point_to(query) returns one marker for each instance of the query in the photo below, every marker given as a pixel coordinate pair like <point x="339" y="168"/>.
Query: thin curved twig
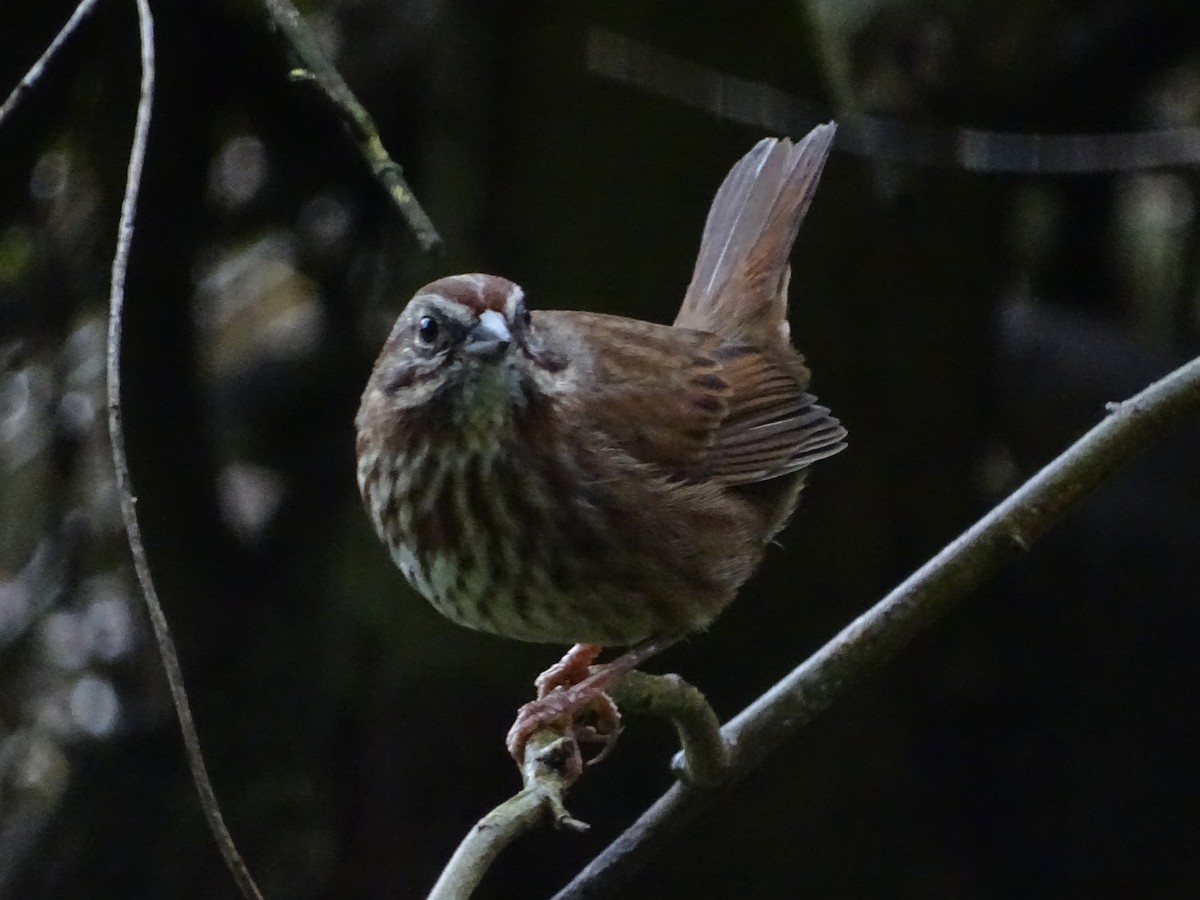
<point x="36" y="70"/>
<point x="872" y="638"/>
<point x="116" y="433"/>
<point x="551" y="765"/>
<point x="362" y="127"/>
<point x="704" y="757"/>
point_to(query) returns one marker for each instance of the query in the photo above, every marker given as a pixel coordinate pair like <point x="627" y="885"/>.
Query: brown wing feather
<point x="655" y="391"/>
<point x="774" y="426"/>
<point x="699" y="406"/>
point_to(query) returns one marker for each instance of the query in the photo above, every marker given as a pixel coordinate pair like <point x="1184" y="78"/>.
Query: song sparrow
<point x="569" y="477"/>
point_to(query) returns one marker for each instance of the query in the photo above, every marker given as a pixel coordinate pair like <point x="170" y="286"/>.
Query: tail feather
<point x="739" y="286"/>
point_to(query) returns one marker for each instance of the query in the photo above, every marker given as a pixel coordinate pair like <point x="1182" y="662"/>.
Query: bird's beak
<point x="490" y="337"/>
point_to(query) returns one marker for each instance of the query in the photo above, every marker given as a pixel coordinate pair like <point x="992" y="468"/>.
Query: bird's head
<point x="465" y="351"/>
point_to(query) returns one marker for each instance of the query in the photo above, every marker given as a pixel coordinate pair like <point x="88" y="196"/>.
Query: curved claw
<point x="604" y="729"/>
<point x="589" y="718"/>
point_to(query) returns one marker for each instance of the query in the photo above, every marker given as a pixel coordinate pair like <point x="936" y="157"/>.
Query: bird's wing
<point x="698" y="406"/>
<point x="774" y="427"/>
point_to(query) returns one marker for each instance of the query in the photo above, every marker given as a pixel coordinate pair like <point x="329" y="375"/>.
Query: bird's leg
<point x="558" y="703"/>
<point x="573" y="688"/>
<point x="569" y="670"/>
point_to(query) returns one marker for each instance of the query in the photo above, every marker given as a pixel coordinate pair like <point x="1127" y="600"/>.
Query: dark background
<point x="1041" y="741"/>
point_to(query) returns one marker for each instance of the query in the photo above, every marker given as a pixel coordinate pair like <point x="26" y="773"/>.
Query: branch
<point x="116" y="432"/>
<point x="38" y="68"/>
<point x="551" y="766"/>
<point x="879" y="138"/>
<point x="362" y="128"/>
<point x="704" y="757"/>
<point x="552" y="763"/>
<point x="872" y="639"/>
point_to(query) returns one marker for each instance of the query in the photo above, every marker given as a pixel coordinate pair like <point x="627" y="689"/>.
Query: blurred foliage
<point x="1041" y="742"/>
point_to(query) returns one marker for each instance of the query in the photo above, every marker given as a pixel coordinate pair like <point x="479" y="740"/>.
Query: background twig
<point x="880" y="138"/>
<point x="158" y="620"/>
<point x="872" y="638"/>
<point x="36" y="70"/>
<point x="362" y="127"/>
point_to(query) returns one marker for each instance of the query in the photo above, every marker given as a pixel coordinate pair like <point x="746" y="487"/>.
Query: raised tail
<point x="739" y="286"/>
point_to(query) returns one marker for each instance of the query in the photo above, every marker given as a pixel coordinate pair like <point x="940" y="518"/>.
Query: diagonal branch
<point x="116" y="432"/>
<point x="876" y="635"/>
<point x="362" y="128"/>
<point x="38" y="68"/>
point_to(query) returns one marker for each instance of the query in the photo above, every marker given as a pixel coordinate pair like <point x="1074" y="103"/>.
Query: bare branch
<point x="872" y="639"/>
<point x="878" y="138"/>
<point x="158" y="620"/>
<point x="38" y="68"/>
<point x="362" y="128"/>
<point x="553" y="762"/>
<point x="551" y="766"/>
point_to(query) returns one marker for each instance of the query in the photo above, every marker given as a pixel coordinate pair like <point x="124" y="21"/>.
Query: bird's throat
<point x="482" y="411"/>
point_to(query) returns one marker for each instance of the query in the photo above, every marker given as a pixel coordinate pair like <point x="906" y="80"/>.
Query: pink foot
<point x="583" y="709"/>
<point x="572" y="696"/>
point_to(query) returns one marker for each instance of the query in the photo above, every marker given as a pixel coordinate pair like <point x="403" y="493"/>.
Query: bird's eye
<point x="427" y="330"/>
<point x="526" y="317"/>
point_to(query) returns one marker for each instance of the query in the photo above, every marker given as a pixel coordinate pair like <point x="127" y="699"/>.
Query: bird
<point x="585" y="479"/>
